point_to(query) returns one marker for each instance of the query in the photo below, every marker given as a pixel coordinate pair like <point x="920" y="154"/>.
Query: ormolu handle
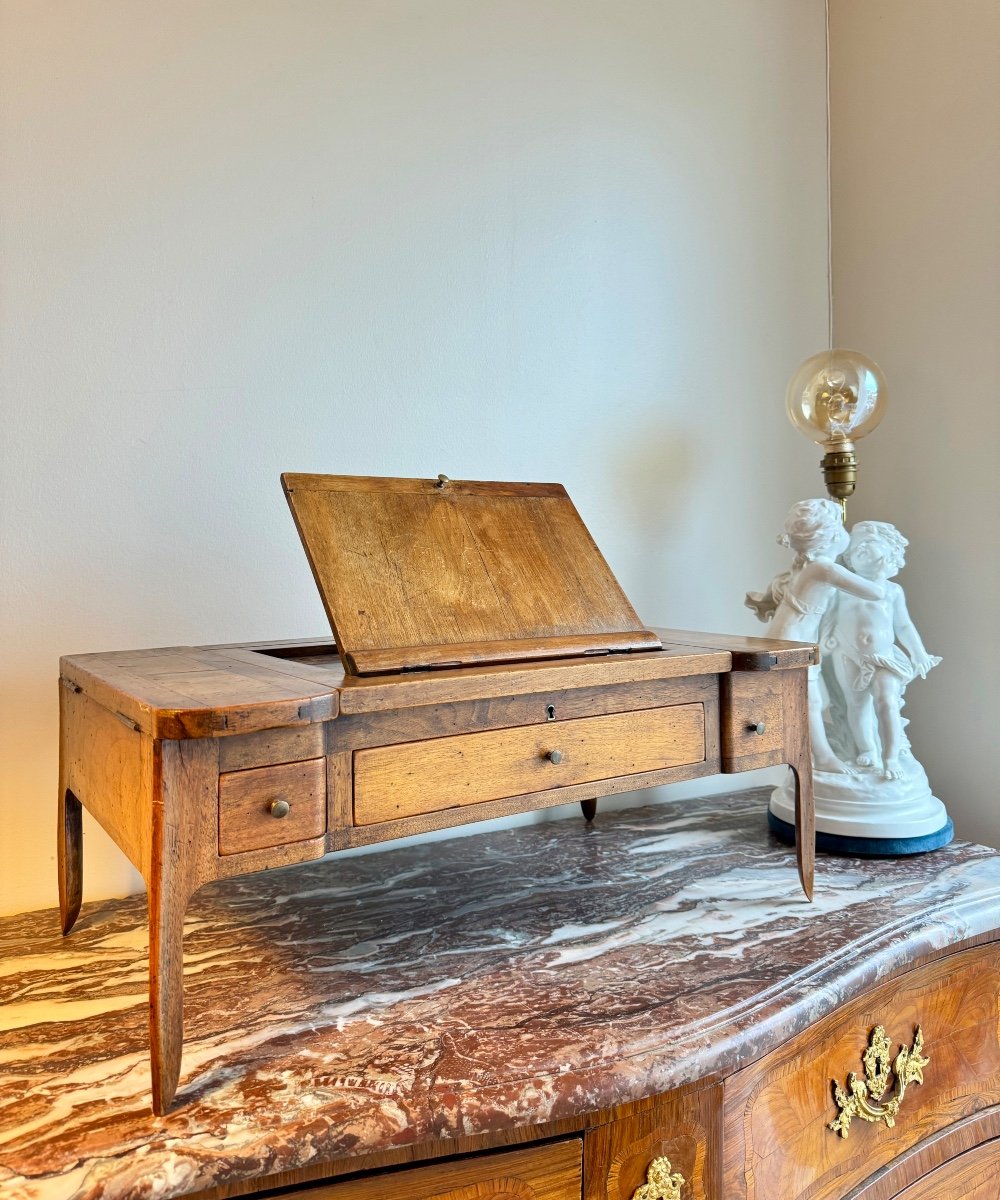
<point x="279" y="808"/>
<point x="662" y="1183"/>
<point x="555" y="756"/>
<point x="864" y="1098"/>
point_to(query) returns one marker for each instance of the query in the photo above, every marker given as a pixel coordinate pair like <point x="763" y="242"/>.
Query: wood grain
<point x="105" y="763"/>
<point x="146" y="735"/>
<point x="749" y="653"/>
<point x="246" y="818"/>
<point x="489" y="810"/>
<point x="271" y="746"/>
<point x="419" y="777"/>
<point x="685" y="1127"/>
<point x="550" y="1172"/>
<point x="384" y="693"/>
<point x="357" y="732"/>
<point x="748" y="700"/>
<point x="69" y="858"/>
<point x="189" y="691"/>
<point x="798" y="755"/>
<point x="973" y="1176"/>
<point x="778" y="1111"/>
<point x="385" y="661"/>
<point x="412" y="575"/>
<point x="921" y="1163"/>
<point x="185" y="791"/>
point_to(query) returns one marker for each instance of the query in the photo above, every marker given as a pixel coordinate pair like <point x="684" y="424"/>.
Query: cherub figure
<point x="796" y="600"/>
<point x="870" y="668"/>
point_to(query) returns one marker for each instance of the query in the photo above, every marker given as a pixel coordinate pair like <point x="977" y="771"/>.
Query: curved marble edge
<point x="212" y="1137"/>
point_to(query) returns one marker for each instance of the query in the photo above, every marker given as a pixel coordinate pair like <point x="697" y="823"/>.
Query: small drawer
<point x="753" y="731"/>
<point x="272" y="806"/>
<point x="781" y="1109"/>
<point x="391" y="782"/>
<point x="552" y="1172"/>
<point x="662" y="1146"/>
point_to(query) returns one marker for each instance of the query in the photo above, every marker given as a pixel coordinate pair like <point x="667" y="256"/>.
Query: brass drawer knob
<point x="555" y="756"/>
<point x="662" y="1183"/>
<point x="757" y="727"/>
<point x="279" y="809"/>
<point x="865" y="1098"/>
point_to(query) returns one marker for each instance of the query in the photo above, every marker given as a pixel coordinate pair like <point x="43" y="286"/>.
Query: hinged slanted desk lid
<point x="422" y="573"/>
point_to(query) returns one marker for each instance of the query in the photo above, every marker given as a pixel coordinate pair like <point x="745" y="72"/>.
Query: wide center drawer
<point x="391" y="782"/>
<point x="780" y="1110"/>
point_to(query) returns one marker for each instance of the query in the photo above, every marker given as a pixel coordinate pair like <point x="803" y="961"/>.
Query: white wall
<point x="570" y="240"/>
<point x="916" y="237"/>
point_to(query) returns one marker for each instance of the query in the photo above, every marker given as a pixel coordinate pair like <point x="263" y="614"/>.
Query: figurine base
<point x="865" y="847"/>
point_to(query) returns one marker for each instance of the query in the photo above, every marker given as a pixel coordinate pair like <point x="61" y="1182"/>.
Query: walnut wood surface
<point x="106" y="763"/>
<point x="356" y="732"/>
<point x="684" y="1127"/>
<point x="750" y="653"/>
<point x="779" y="701"/>
<point x="413" y="573"/>
<point x="747" y="702"/>
<point x="191" y="691"/>
<point x="973" y="1176"/>
<point x="392" y="781"/>
<point x="384" y="693"/>
<point x="798" y="755"/>
<point x="387" y="661"/>
<point x="269" y="746"/>
<point x="550" y="1172"/>
<point x="246" y="819"/>
<point x="980" y="1131"/>
<point x="174" y="752"/>
<point x="777" y="1112"/>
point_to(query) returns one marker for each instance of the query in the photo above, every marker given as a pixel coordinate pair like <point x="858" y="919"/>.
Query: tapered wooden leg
<point x="589" y="808"/>
<point x="805" y="825"/>
<point x="69" y="855"/>
<point x="166" y="991"/>
<point x="798" y="755"/>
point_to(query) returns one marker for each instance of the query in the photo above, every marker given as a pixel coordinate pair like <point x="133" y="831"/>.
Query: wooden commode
<point x="485" y="662"/>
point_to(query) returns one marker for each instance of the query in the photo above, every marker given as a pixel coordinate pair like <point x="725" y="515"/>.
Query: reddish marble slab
<point x="508" y="978"/>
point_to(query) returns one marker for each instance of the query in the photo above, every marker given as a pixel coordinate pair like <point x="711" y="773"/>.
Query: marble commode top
<point x="454" y="987"/>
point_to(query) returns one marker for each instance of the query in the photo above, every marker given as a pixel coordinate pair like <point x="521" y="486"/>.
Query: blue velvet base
<point x="862" y="847"/>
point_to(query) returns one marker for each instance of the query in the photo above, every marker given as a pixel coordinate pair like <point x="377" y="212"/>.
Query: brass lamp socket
<point x="840" y="470"/>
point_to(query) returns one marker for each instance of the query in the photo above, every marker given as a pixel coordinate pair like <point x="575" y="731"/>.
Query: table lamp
<point x="835" y="398"/>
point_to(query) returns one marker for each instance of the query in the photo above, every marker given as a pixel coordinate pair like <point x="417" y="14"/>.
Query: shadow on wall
<point x="657" y="470"/>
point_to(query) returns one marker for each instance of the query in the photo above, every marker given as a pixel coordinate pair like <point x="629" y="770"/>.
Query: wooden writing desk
<point x="207" y="762"/>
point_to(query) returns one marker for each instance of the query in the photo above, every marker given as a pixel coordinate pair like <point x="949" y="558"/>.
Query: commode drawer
<point x="552" y="1172"/>
<point x="779" y="1112"/>
<point x="272" y="806"/>
<point x="667" y="1146"/>
<point x="391" y="782"/>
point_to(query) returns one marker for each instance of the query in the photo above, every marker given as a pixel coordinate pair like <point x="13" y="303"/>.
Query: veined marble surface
<point x="360" y="1004"/>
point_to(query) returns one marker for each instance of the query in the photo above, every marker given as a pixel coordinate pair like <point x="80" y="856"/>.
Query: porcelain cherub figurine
<point x="874" y="651"/>
<point x="796" y="600"/>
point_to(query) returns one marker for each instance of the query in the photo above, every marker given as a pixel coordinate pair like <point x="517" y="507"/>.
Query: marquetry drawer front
<point x="751" y="718"/>
<point x="418" y="777"/>
<point x="974" y="1175"/>
<point x="778" y="1113"/>
<point x="551" y="1172"/>
<point x="272" y="806"/>
<point x="664" y="1146"/>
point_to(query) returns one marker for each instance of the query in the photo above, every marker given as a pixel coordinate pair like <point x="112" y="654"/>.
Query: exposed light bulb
<point x="835" y="398"/>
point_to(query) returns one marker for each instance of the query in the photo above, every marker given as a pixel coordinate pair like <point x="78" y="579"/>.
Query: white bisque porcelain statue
<point x="872" y="796"/>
